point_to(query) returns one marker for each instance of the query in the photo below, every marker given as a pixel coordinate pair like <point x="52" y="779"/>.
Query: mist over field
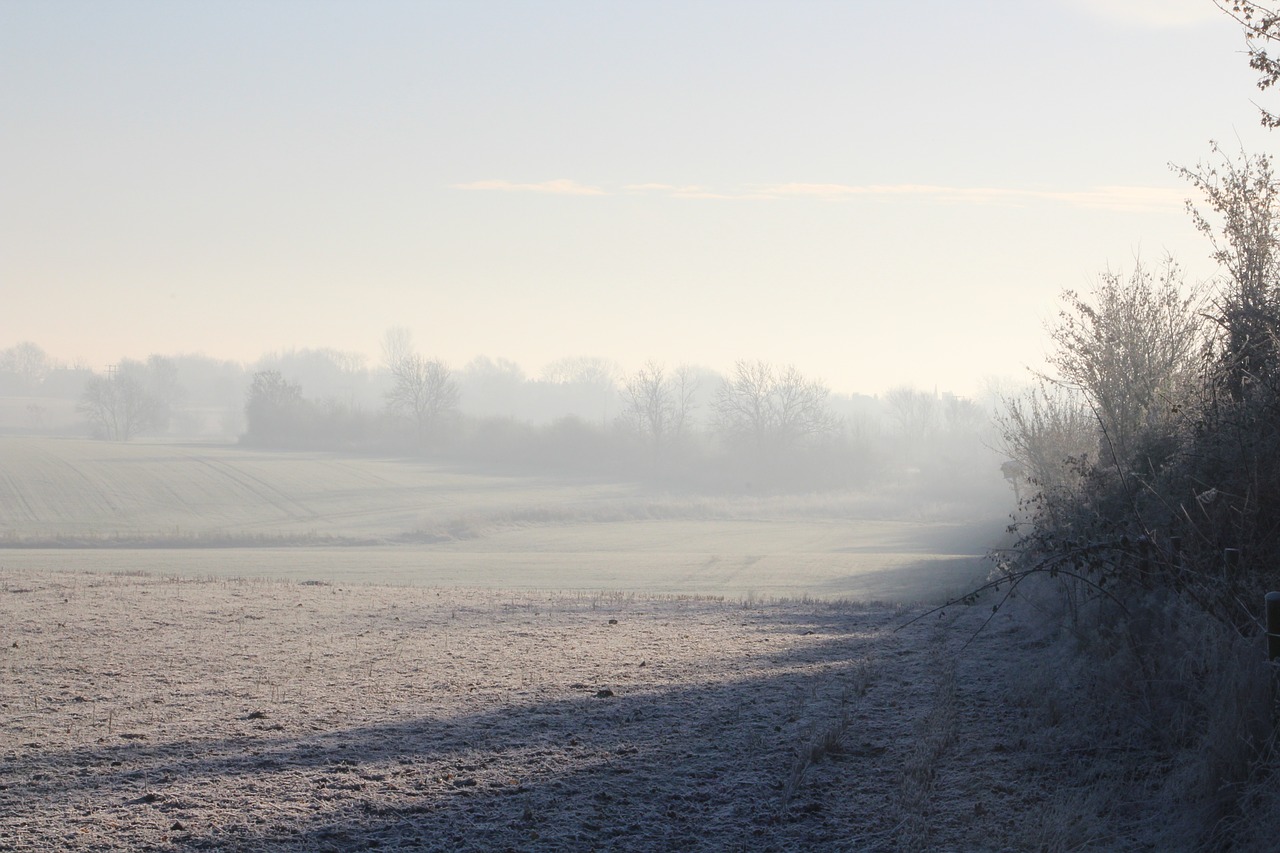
<point x="670" y="480"/>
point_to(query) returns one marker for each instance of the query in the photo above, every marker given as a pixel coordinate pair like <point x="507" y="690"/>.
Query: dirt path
<point x="144" y="713"/>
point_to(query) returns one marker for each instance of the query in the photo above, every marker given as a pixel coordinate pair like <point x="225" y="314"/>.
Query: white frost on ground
<point x="146" y="713"/>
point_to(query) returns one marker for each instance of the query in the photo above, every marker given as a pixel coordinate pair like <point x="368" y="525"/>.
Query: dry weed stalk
<point x="828" y="740"/>
<point x="919" y="772"/>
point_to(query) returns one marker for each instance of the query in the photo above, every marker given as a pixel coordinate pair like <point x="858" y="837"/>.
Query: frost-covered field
<point x="212" y="648"/>
<point x="144" y="713"/>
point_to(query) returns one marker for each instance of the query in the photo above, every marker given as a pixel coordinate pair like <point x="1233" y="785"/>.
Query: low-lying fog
<point x="669" y="480"/>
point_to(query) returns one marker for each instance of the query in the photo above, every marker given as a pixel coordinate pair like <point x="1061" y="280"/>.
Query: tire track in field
<point x="15" y="498"/>
<point x="88" y="488"/>
<point x="296" y="509"/>
<point x="388" y="498"/>
<point x="271" y="495"/>
<point x="67" y="505"/>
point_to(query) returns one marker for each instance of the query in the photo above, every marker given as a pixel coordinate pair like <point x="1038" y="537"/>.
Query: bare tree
<point x="771" y="409"/>
<point x="581" y="370"/>
<point x="1132" y="351"/>
<point x="160" y="374"/>
<point x="585" y="385"/>
<point x="424" y="392"/>
<point x="659" y="405"/>
<point x="961" y="415"/>
<point x="1244" y="198"/>
<point x="915" y="413"/>
<point x="349" y="362"/>
<point x="120" y="406"/>
<point x="397" y="345"/>
<point x="275" y="412"/>
<point x="492" y="386"/>
<point x="1044" y="432"/>
<point x="27" y="362"/>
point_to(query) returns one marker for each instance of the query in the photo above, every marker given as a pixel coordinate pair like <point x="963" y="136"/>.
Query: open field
<point x="144" y="713"/>
<point x="877" y="576"/>
<point x="210" y="648"/>
<point x="222" y="511"/>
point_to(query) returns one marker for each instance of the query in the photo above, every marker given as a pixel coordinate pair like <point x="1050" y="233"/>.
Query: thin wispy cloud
<point x="688" y="191"/>
<point x="674" y="190"/>
<point x="712" y="194"/>
<point x="1107" y="197"/>
<point x="1120" y="198"/>
<point x="1123" y="198"/>
<point x="659" y="188"/>
<point x="558" y="187"/>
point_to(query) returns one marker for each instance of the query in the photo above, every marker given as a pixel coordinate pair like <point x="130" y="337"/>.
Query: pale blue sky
<point x="877" y="197"/>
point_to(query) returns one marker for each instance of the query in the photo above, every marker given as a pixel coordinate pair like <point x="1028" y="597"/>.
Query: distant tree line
<point x="763" y="426"/>
<point x="760" y="426"/>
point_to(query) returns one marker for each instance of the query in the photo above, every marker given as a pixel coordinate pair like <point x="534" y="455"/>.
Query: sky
<point x="881" y="194"/>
